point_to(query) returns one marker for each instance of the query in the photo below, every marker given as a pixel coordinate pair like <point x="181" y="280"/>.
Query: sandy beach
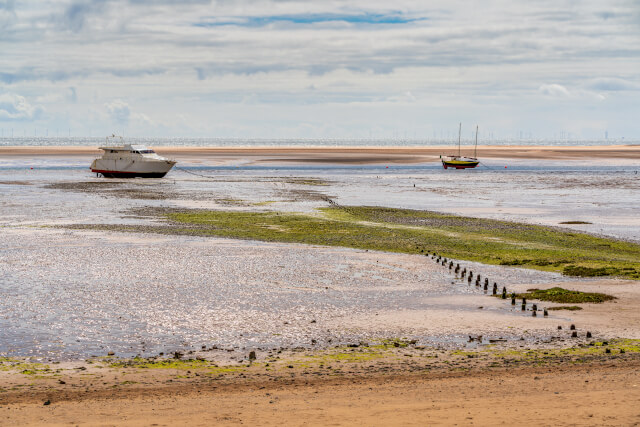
<point x="381" y="392"/>
<point x="351" y="155"/>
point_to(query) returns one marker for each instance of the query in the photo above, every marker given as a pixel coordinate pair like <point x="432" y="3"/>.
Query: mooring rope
<point x="194" y="173"/>
<point x="488" y="167"/>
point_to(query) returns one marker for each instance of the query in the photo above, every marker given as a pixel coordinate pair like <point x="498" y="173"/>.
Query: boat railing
<point x="114" y="140"/>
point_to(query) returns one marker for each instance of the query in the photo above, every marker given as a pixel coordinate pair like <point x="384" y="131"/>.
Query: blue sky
<point x="296" y="69"/>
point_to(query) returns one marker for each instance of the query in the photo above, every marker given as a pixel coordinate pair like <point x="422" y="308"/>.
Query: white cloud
<point x="554" y="90"/>
<point x="119" y="112"/>
<point x="16" y="107"/>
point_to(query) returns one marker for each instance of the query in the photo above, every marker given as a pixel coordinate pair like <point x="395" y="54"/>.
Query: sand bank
<point x="351" y="155"/>
<point x="601" y="391"/>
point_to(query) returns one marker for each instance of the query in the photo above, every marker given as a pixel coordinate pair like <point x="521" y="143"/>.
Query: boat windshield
<point x="144" y="151"/>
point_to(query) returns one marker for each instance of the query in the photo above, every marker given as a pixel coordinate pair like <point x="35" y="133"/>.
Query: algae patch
<point x="565" y="296"/>
<point x="565" y="307"/>
<point x="481" y="240"/>
<point x="410" y="231"/>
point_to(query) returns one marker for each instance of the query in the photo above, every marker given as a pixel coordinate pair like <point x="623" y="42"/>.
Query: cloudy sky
<point x="320" y="69"/>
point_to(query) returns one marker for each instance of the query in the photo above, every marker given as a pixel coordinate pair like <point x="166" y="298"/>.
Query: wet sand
<point x="350" y="155"/>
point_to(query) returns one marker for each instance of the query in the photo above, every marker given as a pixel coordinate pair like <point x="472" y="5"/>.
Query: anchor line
<point x="488" y="167"/>
<point x="194" y="173"/>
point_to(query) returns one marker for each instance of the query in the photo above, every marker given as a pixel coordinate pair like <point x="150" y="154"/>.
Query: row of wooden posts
<point x="469" y="275"/>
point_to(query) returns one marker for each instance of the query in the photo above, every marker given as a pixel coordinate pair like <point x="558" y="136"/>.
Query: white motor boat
<point x="129" y="161"/>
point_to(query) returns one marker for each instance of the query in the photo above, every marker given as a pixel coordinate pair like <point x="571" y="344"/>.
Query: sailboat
<point x="460" y="161"/>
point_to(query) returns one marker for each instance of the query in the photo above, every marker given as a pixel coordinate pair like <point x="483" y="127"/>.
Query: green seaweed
<point x="482" y="240"/>
<point x="565" y="296"/>
<point x="566" y="307"/>
<point x="410" y="231"/>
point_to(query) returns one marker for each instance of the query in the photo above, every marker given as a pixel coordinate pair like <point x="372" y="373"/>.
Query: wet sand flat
<point x="350" y="155"/>
<point x="340" y="336"/>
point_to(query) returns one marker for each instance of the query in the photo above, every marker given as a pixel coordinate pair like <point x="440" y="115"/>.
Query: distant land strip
<point x="354" y="155"/>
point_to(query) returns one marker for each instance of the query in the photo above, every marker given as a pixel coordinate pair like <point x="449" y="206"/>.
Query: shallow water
<point x="71" y="294"/>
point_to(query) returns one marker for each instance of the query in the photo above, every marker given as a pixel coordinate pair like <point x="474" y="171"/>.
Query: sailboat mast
<point x="475" y="150"/>
<point x="459" y="133"/>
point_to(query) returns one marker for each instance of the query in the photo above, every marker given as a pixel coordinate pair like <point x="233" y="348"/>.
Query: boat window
<point x="147" y="151"/>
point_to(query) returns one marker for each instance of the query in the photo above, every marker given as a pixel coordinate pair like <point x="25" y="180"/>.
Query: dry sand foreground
<point x="351" y="155"/>
<point x="599" y="393"/>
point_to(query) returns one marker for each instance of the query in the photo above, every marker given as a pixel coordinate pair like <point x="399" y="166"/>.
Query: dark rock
<point x="47" y="402"/>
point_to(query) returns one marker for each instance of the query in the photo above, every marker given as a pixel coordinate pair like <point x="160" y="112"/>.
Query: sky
<point x="549" y="69"/>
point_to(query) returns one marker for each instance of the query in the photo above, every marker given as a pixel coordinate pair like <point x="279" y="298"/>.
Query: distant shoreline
<point x="354" y="155"/>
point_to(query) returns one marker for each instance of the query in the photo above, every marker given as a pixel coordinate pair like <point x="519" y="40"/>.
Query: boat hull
<point x="131" y="169"/>
<point x="459" y="165"/>
<point x="115" y="174"/>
